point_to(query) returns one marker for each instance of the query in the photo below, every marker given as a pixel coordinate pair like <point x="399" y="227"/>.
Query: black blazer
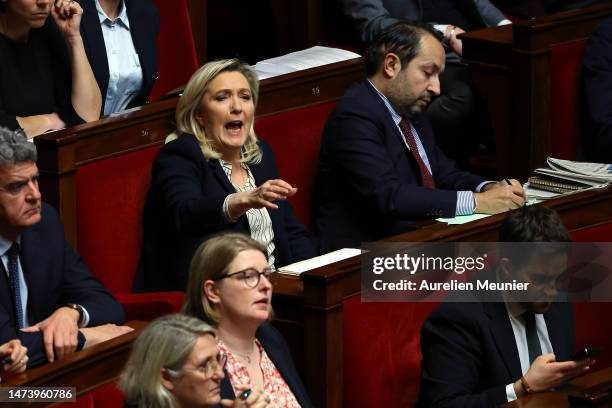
<point x="144" y="27"/>
<point x="184" y="208"/>
<point x="55" y="276"/>
<point x="597" y="74"/>
<point x="276" y="348"/>
<point x="470" y="355"/>
<point x="368" y="184"/>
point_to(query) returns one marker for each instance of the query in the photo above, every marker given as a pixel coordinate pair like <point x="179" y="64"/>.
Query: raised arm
<point x="86" y="97"/>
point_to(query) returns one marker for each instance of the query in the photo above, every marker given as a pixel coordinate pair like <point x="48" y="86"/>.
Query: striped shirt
<point x="465" y="199"/>
<point x="259" y="220"/>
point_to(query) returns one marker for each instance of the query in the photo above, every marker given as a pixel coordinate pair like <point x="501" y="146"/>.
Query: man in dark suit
<point x="104" y="27"/>
<point x="597" y="75"/>
<point x="48" y="298"/>
<point x="459" y="115"/>
<point x="370" y="182"/>
<point x="483" y="354"/>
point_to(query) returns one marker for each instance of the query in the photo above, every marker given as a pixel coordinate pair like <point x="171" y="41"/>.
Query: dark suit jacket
<point x="597" y="74"/>
<point x="276" y="348"/>
<point x="55" y="276"/>
<point x="184" y="207"/>
<point x="373" y="16"/>
<point x="144" y="27"/>
<point x="368" y="184"/>
<point x="470" y="355"/>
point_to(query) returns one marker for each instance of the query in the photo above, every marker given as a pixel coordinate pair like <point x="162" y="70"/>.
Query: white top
<point x="125" y="74"/>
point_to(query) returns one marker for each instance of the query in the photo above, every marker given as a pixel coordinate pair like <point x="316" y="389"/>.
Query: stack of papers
<point x="318" y="261"/>
<point x="300" y="60"/>
<point x="567" y="177"/>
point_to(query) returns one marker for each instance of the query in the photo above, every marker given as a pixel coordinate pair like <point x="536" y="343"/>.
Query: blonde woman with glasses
<point x="230" y="288"/>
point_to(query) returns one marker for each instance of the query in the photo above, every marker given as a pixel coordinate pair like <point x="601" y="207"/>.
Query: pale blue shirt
<point x="465" y="199"/>
<point x="125" y="74"/>
<point x="5" y="245"/>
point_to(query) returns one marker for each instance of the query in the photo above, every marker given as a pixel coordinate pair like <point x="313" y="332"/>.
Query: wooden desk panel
<point x="86" y="370"/>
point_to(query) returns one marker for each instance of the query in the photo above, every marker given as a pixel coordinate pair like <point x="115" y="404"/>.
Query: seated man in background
<point x="379" y="166"/>
<point x="483" y="354"/>
<point x="460" y="108"/>
<point x="48" y="298"/>
<point x="597" y="76"/>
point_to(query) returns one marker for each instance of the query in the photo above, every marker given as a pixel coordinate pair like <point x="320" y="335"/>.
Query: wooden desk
<point x="558" y="399"/>
<point x="511" y="66"/>
<point x="86" y="370"/>
<point x="309" y="309"/>
<point x="60" y="154"/>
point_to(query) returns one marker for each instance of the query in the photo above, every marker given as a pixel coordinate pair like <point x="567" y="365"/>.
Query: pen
<point x="508" y="181"/>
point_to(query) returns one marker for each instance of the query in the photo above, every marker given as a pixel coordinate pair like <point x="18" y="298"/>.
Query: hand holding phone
<point x="587" y="352"/>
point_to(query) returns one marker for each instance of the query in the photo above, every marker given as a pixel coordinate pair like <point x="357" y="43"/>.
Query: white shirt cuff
<point x="481" y="185"/>
<point x="85" y="317"/>
<point x="441" y="28"/>
<point x="505" y="21"/>
<point x="225" y="210"/>
<point x="465" y="203"/>
<point x="510" y="394"/>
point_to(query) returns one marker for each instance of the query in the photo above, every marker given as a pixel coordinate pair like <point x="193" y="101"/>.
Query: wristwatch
<point x="79" y="309"/>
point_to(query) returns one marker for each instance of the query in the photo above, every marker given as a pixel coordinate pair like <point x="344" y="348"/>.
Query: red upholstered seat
<point x="295" y="137"/>
<point x="177" y="54"/>
<point x="110" y="200"/>
<point x="592" y="326"/>
<point x="84" y="401"/>
<point x="382" y="352"/>
<point x="108" y="396"/>
<point x="565" y="79"/>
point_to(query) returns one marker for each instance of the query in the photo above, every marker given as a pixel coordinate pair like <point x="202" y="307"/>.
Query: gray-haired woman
<point x="175" y="363"/>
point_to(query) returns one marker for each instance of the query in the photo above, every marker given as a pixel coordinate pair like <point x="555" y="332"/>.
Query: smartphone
<point x="587" y="352"/>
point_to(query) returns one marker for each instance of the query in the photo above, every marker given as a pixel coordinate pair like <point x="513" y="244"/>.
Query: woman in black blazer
<point x="215" y="175"/>
<point x="230" y="288"/>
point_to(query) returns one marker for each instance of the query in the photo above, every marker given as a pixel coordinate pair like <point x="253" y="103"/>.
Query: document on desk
<point x="464" y="219"/>
<point x="300" y="60"/>
<point x="318" y="261"/>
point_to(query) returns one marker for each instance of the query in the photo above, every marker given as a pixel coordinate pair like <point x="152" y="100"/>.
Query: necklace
<point x="244" y="357"/>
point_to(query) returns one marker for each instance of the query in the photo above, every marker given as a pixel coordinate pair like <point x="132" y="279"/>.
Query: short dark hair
<point x="401" y="38"/>
<point x="534" y="224"/>
<point x="529" y="225"/>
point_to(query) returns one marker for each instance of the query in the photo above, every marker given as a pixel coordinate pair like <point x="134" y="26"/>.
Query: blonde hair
<point x="166" y="343"/>
<point x="189" y="105"/>
<point x="211" y="260"/>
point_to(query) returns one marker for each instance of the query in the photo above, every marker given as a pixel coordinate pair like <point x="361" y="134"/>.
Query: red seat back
<point x="592" y="326"/>
<point x="565" y="79"/>
<point x="382" y="352"/>
<point x="177" y="59"/>
<point x="109" y="215"/>
<point x="295" y="138"/>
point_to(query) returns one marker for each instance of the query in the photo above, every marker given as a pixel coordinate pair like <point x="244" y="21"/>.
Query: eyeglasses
<point x="15" y="188"/>
<point x="212" y="365"/>
<point x="249" y="276"/>
<point x="209" y="368"/>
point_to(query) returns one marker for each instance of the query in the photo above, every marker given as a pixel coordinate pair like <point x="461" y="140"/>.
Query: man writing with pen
<point x="379" y="167"/>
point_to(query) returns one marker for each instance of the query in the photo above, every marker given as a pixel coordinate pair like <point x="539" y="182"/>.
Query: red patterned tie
<point x="426" y="176"/>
